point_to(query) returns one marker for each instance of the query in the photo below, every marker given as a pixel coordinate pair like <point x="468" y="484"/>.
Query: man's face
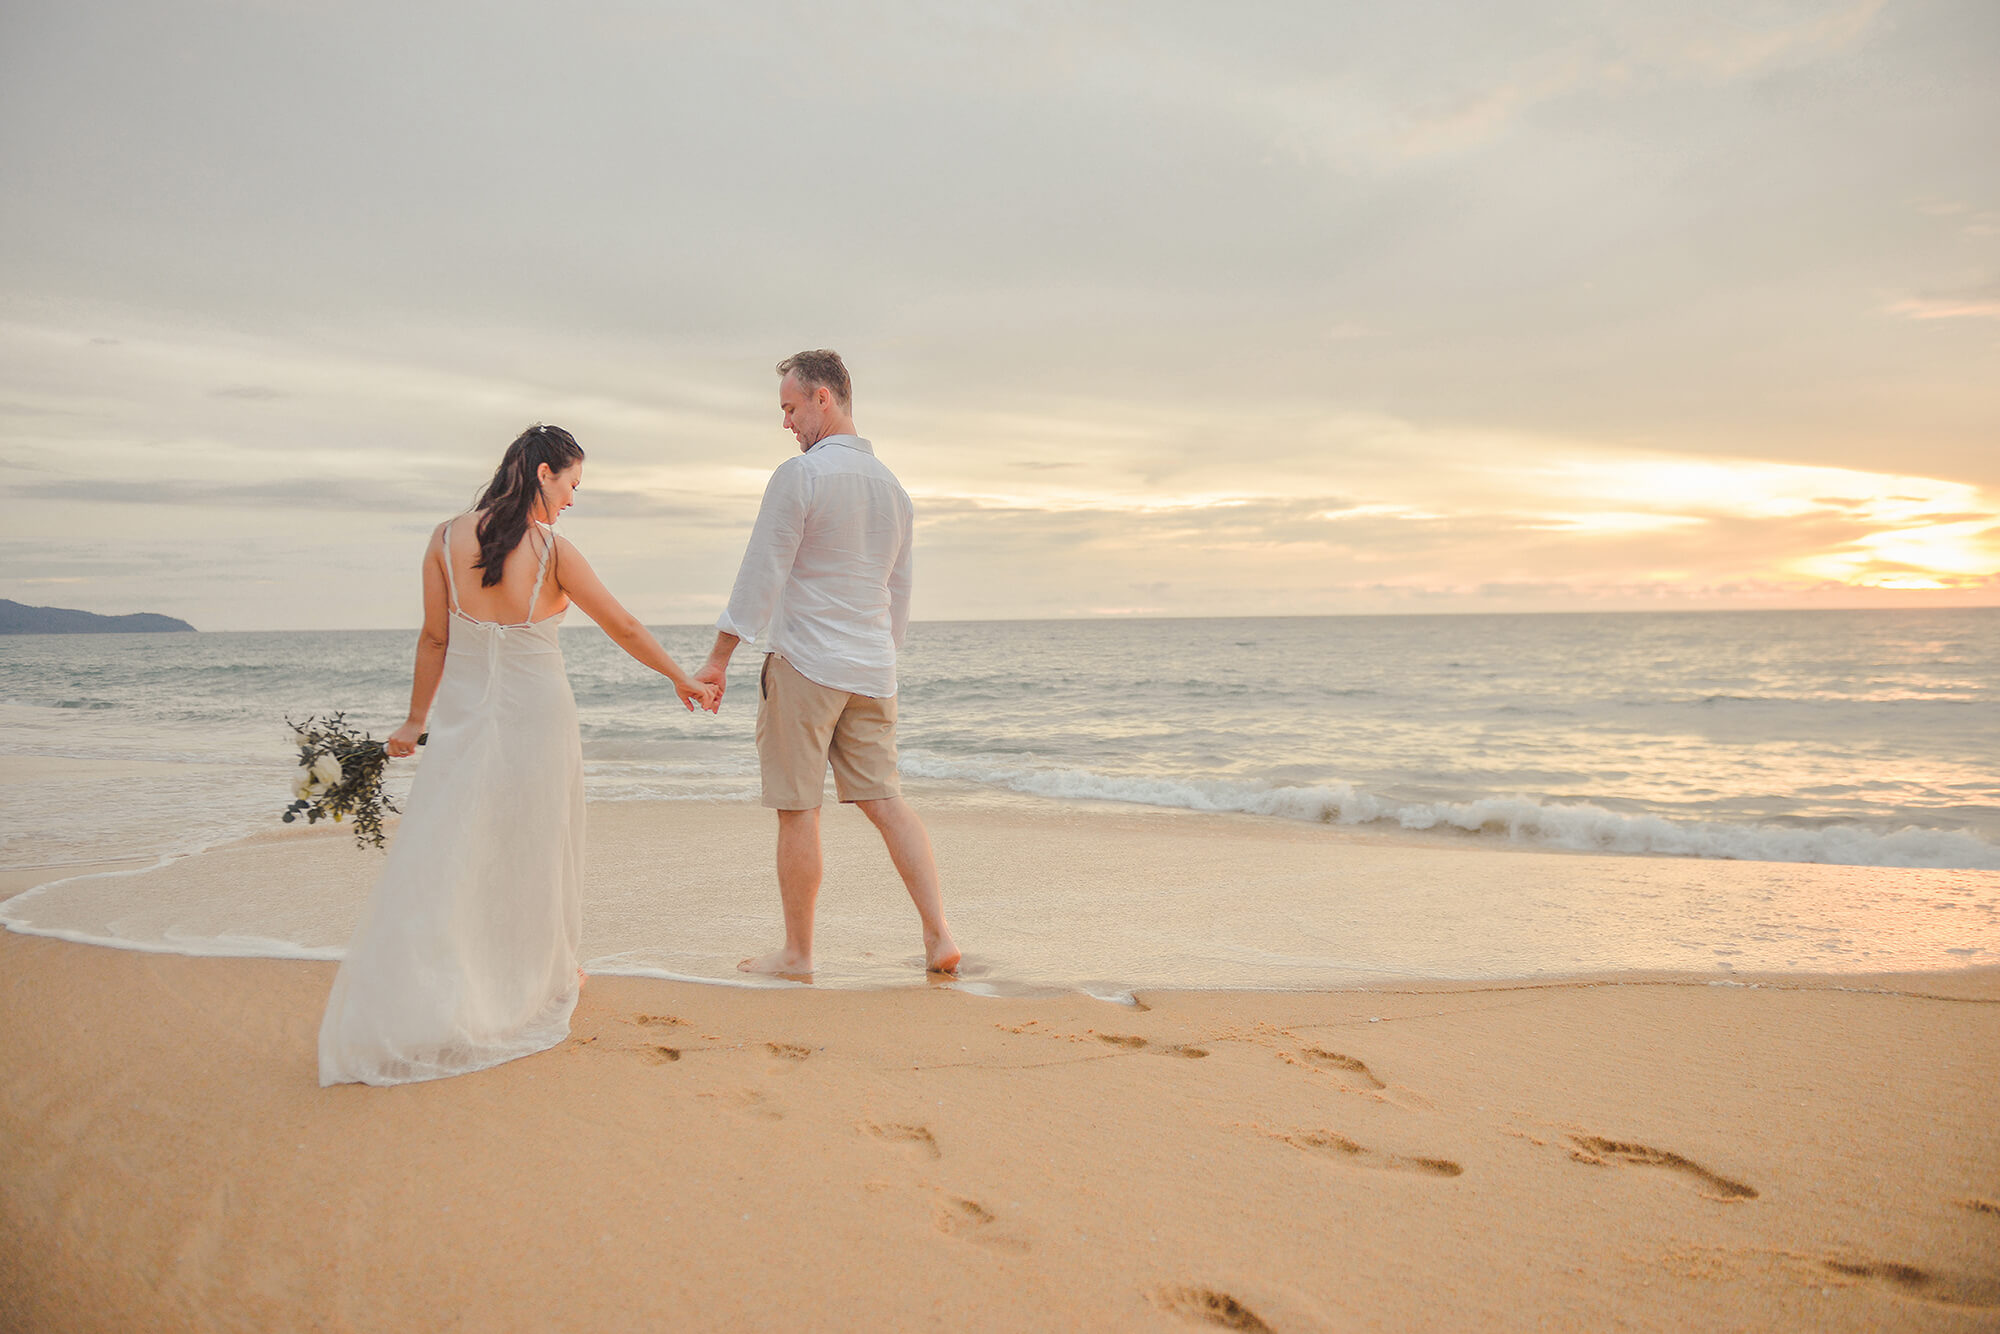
<point x="805" y="411"/>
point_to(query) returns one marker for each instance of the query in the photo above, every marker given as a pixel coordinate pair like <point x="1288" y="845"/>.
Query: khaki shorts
<point x="801" y="725"/>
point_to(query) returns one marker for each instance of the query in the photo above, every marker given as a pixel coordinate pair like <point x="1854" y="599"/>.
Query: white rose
<point x="302" y="785"/>
<point x="326" y="772"/>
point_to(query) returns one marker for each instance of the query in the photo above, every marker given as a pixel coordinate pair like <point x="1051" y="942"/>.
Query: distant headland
<point x="19" y="619"/>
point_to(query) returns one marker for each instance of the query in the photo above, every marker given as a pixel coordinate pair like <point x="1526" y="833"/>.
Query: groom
<point x="826" y="584"/>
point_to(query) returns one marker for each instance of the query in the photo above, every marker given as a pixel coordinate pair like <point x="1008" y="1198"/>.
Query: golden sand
<point x="1660" y="1154"/>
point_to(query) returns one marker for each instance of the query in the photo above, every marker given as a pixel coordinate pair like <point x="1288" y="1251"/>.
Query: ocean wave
<point x="1579" y="827"/>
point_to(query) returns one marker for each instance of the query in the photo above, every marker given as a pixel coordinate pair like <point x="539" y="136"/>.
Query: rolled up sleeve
<point x="767" y="560"/>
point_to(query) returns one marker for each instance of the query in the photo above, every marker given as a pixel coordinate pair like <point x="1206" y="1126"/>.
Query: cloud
<point x="1981" y="303"/>
<point x="1602" y="525"/>
<point x="1481" y="114"/>
<point x="617" y="503"/>
<point x="307" y="495"/>
<point x="1636" y="53"/>
<point x="1171" y="308"/>
<point x="1732" y="47"/>
<point x="337" y="494"/>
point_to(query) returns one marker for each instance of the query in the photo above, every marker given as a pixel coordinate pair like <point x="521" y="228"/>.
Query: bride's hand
<point x="403" y="741"/>
<point x="698" y="692"/>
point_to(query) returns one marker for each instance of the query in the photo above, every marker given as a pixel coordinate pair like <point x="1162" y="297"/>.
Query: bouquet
<point x="340" y="775"/>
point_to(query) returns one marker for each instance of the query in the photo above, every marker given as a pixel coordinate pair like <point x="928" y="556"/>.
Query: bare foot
<point x="780" y="963"/>
<point x="940" y="954"/>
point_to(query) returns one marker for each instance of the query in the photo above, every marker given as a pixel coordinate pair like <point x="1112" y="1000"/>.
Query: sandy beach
<point x="1644" y="1151"/>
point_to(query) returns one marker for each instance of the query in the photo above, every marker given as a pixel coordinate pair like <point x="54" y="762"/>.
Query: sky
<point x="1162" y="310"/>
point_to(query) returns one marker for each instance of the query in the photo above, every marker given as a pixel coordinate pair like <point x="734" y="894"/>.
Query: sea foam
<point x="1579" y="827"/>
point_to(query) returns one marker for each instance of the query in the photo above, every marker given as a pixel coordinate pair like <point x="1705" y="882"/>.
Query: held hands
<point x="698" y="691"/>
<point x="714" y="676"/>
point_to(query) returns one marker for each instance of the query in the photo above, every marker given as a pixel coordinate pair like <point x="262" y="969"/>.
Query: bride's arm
<point x="574" y="576"/>
<point x="431" y="641"/>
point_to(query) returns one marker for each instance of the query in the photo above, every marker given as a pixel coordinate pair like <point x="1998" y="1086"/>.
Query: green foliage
<point x="357" y="795"/>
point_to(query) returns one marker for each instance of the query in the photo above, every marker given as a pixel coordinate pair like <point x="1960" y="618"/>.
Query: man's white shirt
<point x="826" y="578"/>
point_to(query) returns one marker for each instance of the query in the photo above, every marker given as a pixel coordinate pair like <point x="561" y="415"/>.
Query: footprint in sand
<point x="1349" y="1068"/>
<point x="1206" y="1306"/>
<point x="917" y="1137"/>
<point x="1976" y="1205"/>
<point x="1133" y="1043"/>
<point x="1341" y="1149"/>
<point x="969" y="1220"/>
<point x="658" y="1021"/>
<point x="659" y="1055"/>
<point x="1597" y="1151"/>
<point x="1923" y="1284"/>
<point x="750" y="1102"/>
<point x="790" y="1051"/>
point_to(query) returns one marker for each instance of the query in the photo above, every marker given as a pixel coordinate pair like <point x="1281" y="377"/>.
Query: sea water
<point x="1864" y="740"/>
<point x="1860" y="738"/>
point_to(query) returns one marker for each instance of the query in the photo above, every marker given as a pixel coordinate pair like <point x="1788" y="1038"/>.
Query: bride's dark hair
<point x="509" y="500"/>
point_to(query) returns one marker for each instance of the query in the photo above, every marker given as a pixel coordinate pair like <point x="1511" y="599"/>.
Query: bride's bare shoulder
<point x="467" y="522"/>
<point x="568" y="565"/>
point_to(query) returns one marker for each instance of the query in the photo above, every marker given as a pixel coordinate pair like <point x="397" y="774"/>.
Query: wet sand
<point x="1052" y="896"/>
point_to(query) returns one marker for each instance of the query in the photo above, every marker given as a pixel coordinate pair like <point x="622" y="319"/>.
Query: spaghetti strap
<point x="541" y="572"/>
<point x="450" y="579"/>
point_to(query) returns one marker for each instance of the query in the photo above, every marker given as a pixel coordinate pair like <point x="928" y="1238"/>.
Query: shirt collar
<point x="847" y="441"/>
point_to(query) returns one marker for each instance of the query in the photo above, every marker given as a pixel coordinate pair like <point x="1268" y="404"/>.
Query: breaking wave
<point x="1579" y="827"/>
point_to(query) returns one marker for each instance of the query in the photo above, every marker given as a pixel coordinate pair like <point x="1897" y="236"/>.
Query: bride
<point x="466" y="955"/>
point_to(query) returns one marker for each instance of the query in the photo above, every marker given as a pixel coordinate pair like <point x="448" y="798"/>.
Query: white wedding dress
<point x="466" y="955"/>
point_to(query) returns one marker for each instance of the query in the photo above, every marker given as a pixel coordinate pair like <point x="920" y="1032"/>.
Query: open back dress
<point x="466" y="955"/>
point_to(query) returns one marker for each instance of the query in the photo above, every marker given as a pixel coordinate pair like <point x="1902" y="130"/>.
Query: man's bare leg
<point x="799" y="869"/>
<point x="909" y="846"/>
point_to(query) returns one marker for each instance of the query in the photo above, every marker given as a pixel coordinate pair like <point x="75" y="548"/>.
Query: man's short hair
<point x="821" y="367"/>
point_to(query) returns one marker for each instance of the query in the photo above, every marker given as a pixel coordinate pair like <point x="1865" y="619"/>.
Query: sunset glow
<point x="1943" y="555"/>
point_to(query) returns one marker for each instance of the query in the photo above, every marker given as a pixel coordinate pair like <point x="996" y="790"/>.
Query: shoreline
<point x="1643" y="1154"/>
<point x="1053" y="896"/>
